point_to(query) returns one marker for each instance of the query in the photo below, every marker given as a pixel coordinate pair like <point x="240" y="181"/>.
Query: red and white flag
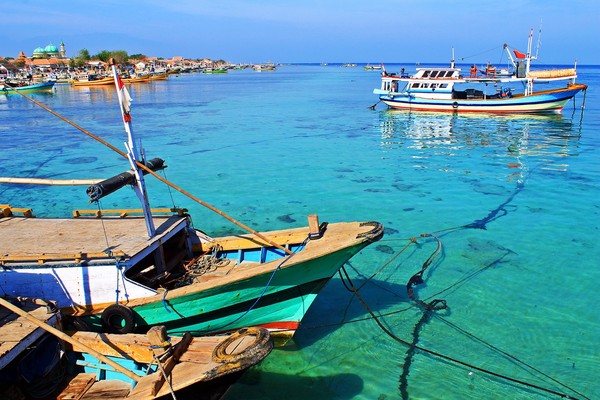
<point x="519" y="55"/>
<point x="125" y="99"/>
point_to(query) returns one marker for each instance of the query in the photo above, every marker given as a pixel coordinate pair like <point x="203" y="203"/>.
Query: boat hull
<point x="549" y="101"/>
<point x="260" y="286"/>
<point x="36" y="88"/>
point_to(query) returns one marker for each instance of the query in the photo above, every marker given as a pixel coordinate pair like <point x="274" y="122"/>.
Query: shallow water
<point x="515" y="202"/>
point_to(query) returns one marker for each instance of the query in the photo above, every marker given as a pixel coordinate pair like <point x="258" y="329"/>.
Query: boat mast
<point x="528" y="58"/>
<point x="132" y="153"/>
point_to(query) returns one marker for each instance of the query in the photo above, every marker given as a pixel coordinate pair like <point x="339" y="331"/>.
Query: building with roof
<point x="50" y="51"/>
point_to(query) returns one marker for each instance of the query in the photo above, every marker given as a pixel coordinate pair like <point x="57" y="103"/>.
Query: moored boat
<point x="92" y="80"/>
<point x="12" y="88"/>
<point x="449" y="89"/>
<point x="125" y="274"/>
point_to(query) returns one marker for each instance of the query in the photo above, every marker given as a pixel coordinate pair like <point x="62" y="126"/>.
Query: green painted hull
<point x="276" y="300"/>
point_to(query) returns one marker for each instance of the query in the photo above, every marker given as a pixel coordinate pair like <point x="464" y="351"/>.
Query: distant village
<point x="52" y="62"/>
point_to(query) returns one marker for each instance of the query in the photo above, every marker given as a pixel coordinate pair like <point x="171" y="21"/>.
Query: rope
<point x="163" y="180"/>
<point x="264" y="290"/>
<point x="165" y="375"/>
<point x="445" y="357"/>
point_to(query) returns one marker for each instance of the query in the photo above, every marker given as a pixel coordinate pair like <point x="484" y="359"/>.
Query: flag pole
<point x="132" y="151"/>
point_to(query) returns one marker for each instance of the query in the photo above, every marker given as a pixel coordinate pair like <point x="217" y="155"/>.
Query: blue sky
<point x="284" y="31"/>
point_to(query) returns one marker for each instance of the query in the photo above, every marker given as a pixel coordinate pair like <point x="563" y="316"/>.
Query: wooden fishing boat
<point x="12" y="88"/>
<point x="38" y="360"/>
<point x="159" y="76"/>
<point x="159" y="270"/>
<point x="135" y="79"/>
<point x="205" y="366"/>
<point x="449" y="89"/>
<point x="92" y="80"/>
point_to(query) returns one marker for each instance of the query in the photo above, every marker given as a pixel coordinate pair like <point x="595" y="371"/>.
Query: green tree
<point x="84" y="54"/>
<point x="104" y="55"/>
<point x="120" y="57"/>
<point x="138" y="56"/>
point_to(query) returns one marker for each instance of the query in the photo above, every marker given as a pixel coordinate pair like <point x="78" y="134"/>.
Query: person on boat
<point x="473" y="71"/>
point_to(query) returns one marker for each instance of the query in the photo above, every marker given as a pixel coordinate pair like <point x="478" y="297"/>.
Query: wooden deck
<point x="41" y="239"/>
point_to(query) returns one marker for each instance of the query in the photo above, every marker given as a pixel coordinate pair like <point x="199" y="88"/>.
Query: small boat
<point x="449" y="89"/>
<point x="268" y="66"/>
<point x="214" y="71"/>
<point x="12" y="88"/>
<point x="92" y="80"/>
<point x="38" y="360"/>
<point x="123" y="271"/>
<point x="159" y="76"/>
<point x="370" y="67"/>
<point x="135" y="79"/>
<point x="205" y="366"/>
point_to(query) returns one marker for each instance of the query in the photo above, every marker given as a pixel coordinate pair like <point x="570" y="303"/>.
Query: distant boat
<point x="91" y="80"/>
<point x="264" y="67"/>
<point x="12" y="88"/>
<point x="349" y="65"/>
<point x="214" y="71"/>
<point x="449" y="89"/>
<point x="370" y="67"/>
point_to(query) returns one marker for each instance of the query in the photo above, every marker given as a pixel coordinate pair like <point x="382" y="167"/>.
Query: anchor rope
<point x="413" y="346"/>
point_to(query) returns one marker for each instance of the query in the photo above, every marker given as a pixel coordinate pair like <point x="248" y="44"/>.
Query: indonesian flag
<point x="518" y="54"/>
<point x="126" y="100"/>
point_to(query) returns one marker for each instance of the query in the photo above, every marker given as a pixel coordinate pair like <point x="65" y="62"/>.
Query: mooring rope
<point x="389" y="333"/>
<point x="160" y="178"/>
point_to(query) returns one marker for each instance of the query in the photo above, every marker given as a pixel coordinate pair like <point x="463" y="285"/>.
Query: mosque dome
<point x="39" y="50"/>
<point x="51" y="49"/>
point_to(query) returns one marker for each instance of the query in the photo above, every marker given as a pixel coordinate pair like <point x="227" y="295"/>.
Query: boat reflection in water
<point x="429" y="134"/>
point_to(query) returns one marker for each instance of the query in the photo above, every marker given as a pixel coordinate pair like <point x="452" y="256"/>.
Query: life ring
<point x="224" y="352"/>
<point x="118" y="318"/>
<point x="455" y="105"/>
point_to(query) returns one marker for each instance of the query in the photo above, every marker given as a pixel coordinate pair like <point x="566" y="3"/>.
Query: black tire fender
<point x="118" y="318"/>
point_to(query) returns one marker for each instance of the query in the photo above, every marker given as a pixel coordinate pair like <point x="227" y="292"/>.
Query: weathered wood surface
<point x="42" y="238"/>
<point x="16" y="332"/>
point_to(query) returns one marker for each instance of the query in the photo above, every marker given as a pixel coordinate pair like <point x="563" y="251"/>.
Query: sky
<point x="310" y="31"/>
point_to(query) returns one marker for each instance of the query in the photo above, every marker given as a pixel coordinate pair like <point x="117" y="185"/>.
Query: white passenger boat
<point x="450" y="89"/>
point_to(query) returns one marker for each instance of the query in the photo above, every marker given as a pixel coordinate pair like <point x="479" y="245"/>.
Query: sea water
<point x="512" y="201"/>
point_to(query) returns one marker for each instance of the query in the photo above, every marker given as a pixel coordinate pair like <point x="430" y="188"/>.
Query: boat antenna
<point x="452" y="60"/>
<point x="537" y="48"/>
<point x="132" y="152"/>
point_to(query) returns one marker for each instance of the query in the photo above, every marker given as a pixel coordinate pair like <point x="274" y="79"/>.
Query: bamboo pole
<point x="54" y="182"/>
<point x="68" y="339"/>
<point x="148" y="170"/>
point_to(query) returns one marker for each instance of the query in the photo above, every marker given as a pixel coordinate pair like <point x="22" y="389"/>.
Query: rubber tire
<point x="261" y="339"/>
<point x="113" y="317"/>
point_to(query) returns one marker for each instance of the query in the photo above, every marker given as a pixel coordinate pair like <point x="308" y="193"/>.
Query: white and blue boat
<point x="448" y="89"/>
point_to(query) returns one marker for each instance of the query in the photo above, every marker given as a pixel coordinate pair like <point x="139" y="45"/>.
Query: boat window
<point x="434" y="85"/>
<point x="424" y="85"/>
<point x="449" y="74"/>
<point x="426" y="74"/>
<point x="433" y="74"/>
<point x="415" y="85"/>
<point x="443" y="85"/>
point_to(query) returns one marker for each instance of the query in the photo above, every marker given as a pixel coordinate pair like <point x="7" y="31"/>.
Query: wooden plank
<point x="109" y="390"/>
<point x="77" y="387"/>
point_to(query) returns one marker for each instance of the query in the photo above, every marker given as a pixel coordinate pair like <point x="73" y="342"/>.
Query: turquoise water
<point x="515" y="202"/>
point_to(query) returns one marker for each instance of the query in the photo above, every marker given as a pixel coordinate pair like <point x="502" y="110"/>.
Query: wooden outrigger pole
<point x="160" y="178"/>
